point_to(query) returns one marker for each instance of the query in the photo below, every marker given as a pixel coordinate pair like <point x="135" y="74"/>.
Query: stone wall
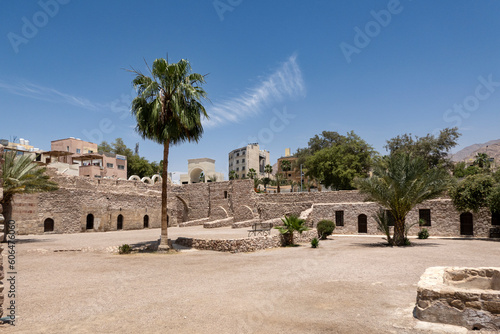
<point x="106" y="200"/>
<point x="243" y="244"/>
<point x="468" y="297"/>
<point x="2" y="222"/>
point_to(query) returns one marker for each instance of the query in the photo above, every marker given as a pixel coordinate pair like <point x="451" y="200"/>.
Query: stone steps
<point x="219" y="223"/>
<point x="194" y="222"/>
<point x="245" y="223"/>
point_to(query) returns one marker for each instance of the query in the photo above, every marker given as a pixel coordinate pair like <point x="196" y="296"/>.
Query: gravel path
<point x="74" y="284"/>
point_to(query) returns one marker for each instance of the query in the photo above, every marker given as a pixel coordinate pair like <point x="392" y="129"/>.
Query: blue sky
<point x="279" y="72"/>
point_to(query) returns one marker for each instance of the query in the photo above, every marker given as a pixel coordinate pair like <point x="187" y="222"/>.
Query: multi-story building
<point x="90" y="162"/>
<point x="290" y="172"/>
<point x="243" y="159"/>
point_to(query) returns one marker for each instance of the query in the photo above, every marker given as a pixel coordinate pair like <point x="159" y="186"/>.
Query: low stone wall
<point x="244" y="244"/>
<point x="219" y="223"/>
<point x="195" y="222"/>
<point x="246" y="223"/>
<point x="232" y="245"/>
<point x="468" y="297"/>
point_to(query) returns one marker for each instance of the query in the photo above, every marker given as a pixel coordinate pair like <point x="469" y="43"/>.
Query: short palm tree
<point x="22" y="175"/>
<point x="251" y="173"/>
<point x="168" y="111"/>
<point x="290" y="224"/>
<point x="400" y="183"/>
<point x="232" y="175"/>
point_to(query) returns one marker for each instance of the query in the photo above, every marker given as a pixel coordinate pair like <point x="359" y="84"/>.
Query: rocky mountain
<point x="492" y="148"/>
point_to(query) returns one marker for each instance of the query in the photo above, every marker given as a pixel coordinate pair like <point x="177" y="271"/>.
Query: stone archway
<point x="195" y="174"/>
<point x="48" y="225"/>
<point x="119" y="222"/>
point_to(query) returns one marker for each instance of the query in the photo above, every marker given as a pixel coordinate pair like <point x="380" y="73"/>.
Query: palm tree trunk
<point x="399" y="233"/>
<point x="164" y="215"/>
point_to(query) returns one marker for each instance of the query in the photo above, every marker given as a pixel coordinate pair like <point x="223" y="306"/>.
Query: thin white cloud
<point x="31" y="90"/>
<point x="284" y="83"/>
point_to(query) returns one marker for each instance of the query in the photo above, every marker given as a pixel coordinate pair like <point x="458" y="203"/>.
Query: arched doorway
<point x="466" y="224"/>
<point x="119" y="222"/>
<point x="146" y="221"/>
<point x="197" y="175"/>
<point x="48" y="225"/>
<point x="362" y="224"/>
<point x="90" y="222"/>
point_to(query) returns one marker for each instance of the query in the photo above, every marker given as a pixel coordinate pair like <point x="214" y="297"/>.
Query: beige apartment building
<point x="245" y="158"/>
<point x="75" y="152"/>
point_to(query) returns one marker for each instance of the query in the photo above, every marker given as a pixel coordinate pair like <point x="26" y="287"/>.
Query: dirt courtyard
<point x="75" y="284"/>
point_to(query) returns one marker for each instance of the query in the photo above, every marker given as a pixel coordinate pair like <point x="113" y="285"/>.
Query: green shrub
<point x="315" y="243"/>
<point x="423" y="234"/>
<point x="124" y="249"/>
<point x="325" y="228"/>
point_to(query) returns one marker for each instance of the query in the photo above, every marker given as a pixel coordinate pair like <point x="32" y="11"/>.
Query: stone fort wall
<point x="77" y="198"/>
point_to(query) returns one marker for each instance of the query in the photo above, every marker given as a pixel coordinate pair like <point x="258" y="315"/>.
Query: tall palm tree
<point x="399" y="184"/>
<point x="22" y="175"/>
<point x="268" y="169"/>
<point x="168" y="111"/>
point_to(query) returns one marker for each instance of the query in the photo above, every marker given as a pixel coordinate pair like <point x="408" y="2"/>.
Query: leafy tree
<point x="251" y="173"/>
<point x="290" y="224"/>
<point x="494" y="199"/>
<point x="434" y="150"/>
<point x="325" y="228"/>
<point x="105" y="147"/>
<point x="168" y="111"/>
<point x="202" y="177"/>
<point x="21" y="175"/>
<point x="337" y="166"/>
<point x="472" y="193"/>
<point x="399" y="184"/>
<point x="232" y="175"/>
<point x="317" y="143"/>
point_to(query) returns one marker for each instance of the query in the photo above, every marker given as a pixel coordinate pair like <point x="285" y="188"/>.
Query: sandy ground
<point x="75" y="284"/>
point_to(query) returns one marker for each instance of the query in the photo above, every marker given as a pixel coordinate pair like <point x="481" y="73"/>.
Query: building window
<point x="225" y="194"/>
<point x="425" y="215"/>
<point x="78" y="150"/>
<point x="67" y="148"/>
<point x="390" y="218"/>
<point x="121" y="167"/>
<point x="339" y="218"/>
<point x="237" y="154"/>
<point x="109" y="165"/>
<point x="243" y="152"/>
<point x="237" y="161"/>
<point x="243" y="168"/>
<point x="237" y="169"/>
<point x="242" y="161"/>
<point x="495" y="218"/>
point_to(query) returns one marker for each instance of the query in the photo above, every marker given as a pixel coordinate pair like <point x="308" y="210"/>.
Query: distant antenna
<point x="136" y="148"/>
